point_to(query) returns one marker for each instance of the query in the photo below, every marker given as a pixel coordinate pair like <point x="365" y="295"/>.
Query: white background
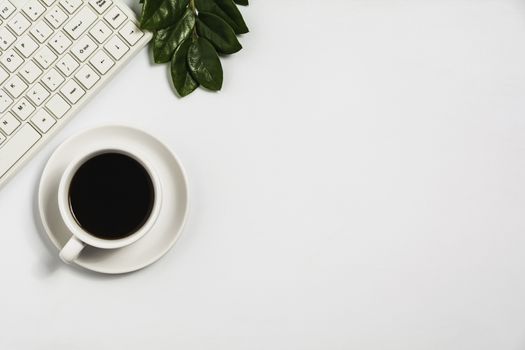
<point x="359" y="183"/>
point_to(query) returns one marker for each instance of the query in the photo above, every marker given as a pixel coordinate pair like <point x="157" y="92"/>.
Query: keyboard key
<point x="43" y="121"/>
<point x="101" y="62"/>
<point x="2" y="139"/>
<point x="100" y="32"/>
<point x="56" y="17"/>
<point x="37" y="94"/>
<point x="26" y="46"/>
<point x="11" y="60"/>
<point x="115" y="17"/>
<point x="9" y="123"/>
<point x="3" y="75"/>
<point x="6" y="38"/>
<point x="67" y="65"/>
<point x="80" y="23"/>
<point x="71" y="5"/>
<point x="41" y="31"/>
<point x="19" y="24"/>
<point x="87" y="77"/>
<point x="72" y="91"/>
<point x="60" y="42"/>
<point x="16" y="147"/>
<point x="58" y="106"/>
<point x="131" y="33"/>
<point x="53" y="79"/>
<point x="23" y="109"/>
<point x="100" y="5"/>
<point x="116" y="48"/>
<point x="84" y="48"/>
<point x="15" y="86"/>
<point x="45" y="57"/>
<point x="5" y="101"/>
<point x="33" y="9"/>
<point x="6" y="9"/>
<point x="30" y="72"/>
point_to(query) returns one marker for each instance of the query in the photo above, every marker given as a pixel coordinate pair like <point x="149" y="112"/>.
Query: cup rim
<point x="72" y="224"/>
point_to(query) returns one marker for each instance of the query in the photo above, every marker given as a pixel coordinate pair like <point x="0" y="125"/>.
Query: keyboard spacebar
<point x="16" y="147"/>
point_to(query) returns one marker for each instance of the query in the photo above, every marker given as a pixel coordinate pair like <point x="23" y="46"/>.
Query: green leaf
<point x="204" y="64"/>
<point x="241" y="2"/>
<point x="218" y="32"/>
<point x="180" y="75"/>
<point x="158" y="14"/>
<point x="166" y="40"/>
<point x="226" y="10"/>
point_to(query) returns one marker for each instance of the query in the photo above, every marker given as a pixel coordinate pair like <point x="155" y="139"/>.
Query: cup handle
<point x="71" y="250"/>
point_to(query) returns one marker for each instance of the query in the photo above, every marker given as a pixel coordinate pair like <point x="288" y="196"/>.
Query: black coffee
<point x="111" y="196"/>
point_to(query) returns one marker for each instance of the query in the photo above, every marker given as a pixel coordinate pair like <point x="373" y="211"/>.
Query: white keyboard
<point x="54" y="55"/>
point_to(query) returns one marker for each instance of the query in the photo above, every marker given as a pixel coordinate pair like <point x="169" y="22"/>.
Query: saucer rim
<point x="177" y="233"/>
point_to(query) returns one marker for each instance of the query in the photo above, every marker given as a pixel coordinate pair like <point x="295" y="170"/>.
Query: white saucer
<point x="169" y="224"/>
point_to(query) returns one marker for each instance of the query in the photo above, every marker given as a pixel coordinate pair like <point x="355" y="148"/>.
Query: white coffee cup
<point x="81" y="238"/>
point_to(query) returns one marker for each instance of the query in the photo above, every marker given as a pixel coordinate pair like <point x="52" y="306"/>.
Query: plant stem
<point x="194" y="9"/>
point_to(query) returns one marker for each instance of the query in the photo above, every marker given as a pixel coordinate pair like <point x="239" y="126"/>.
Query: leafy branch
<point x="191" y="34"/>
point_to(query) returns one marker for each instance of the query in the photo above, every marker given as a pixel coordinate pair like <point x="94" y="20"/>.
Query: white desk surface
<point x="359" y="183"/>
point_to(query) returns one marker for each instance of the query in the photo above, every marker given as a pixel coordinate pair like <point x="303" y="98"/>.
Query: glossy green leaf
<point x="180" y="74"/>
<point x="225" y="9"/>
<point x="158" y="14"/>
<point x="218" y="32"/>
<point x="241" y="2"/>
<point x="204" y="64"/>
<point x="166" y="40"/>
